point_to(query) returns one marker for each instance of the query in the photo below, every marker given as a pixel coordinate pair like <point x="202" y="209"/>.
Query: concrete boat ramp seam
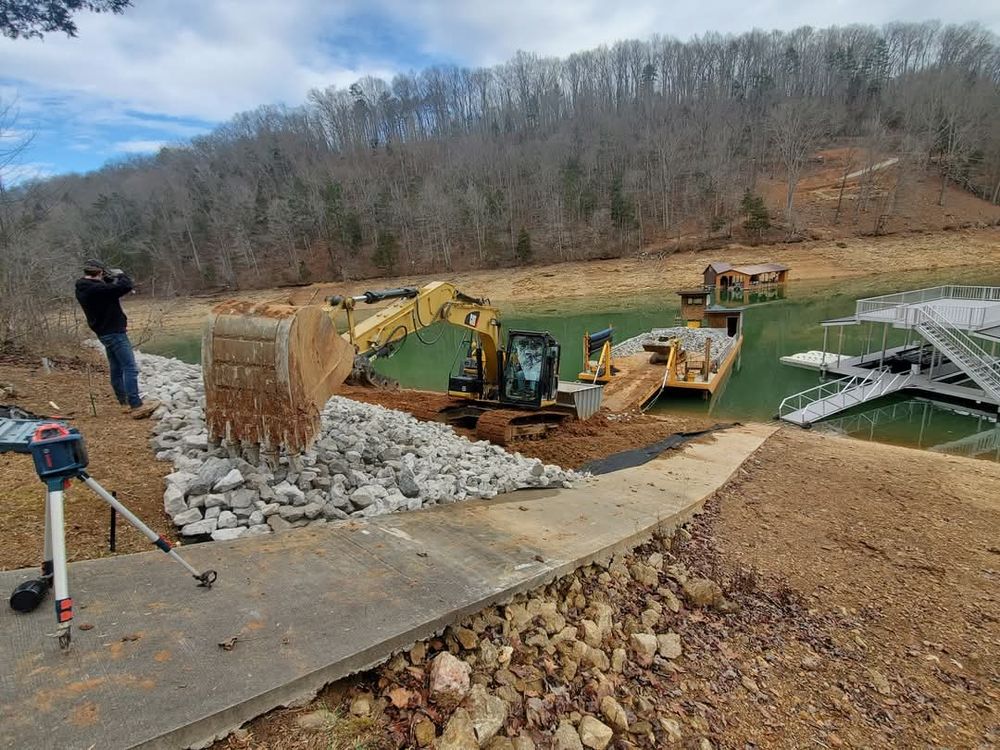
<point x="312" y="606"/>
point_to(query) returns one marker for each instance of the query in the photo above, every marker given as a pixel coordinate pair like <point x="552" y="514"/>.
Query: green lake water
<point x="772" y="329"/>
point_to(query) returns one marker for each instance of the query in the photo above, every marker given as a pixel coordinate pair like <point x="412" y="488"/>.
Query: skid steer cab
<point x="527" y="372"/>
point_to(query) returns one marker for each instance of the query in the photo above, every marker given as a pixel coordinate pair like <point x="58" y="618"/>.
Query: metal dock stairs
<point x="945" y="317"/>
<point x="839" y="395"/>
<point x="962" y="350"/>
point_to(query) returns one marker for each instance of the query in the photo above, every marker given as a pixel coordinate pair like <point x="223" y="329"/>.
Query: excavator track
<point x="506" y="426"/>
<point x="498" y="426"/>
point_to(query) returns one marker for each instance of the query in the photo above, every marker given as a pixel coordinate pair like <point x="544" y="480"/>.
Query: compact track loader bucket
<point x="269" y="369"/>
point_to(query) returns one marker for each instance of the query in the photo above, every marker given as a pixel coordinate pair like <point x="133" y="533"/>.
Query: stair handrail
<point x="854" y="390"/>
<point x="976" y="358"/>
<point x="824" y="390"/>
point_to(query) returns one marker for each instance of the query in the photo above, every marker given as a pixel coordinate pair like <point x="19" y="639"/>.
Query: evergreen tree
<point x="756" y="218"/>
<point x="523" y="249"/>
<point x="386" y="252"/>
<point x="27" y="19"/>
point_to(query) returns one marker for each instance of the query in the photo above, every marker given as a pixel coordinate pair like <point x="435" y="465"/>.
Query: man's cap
<point x="93" y="264"/>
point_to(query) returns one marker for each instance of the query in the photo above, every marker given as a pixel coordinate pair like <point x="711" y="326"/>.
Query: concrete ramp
<point x="311" y="606"/>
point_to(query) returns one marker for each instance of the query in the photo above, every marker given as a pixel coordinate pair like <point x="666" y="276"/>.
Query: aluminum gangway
<point x="835" y="396"/>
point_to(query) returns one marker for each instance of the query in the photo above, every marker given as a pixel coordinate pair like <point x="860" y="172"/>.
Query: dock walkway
<point x="311" y="606"/>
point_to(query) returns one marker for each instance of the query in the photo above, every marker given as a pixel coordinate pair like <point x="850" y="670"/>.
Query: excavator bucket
<point x="269" y="369"/>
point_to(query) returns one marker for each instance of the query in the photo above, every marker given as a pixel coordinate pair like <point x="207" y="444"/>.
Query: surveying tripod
<point x="60" y="455"/>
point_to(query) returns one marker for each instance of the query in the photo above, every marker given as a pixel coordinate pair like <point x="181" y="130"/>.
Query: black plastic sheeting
<point x="639" y="456"/>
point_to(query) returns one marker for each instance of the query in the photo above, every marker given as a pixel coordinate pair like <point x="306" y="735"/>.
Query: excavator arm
<point x="270" y="368"/>
<point x="416" y="309"/>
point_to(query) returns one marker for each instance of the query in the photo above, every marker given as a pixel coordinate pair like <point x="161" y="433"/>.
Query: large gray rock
<point x="187" y="516"/>
<point x="291" y="513"/>
<point x="407" y="483"/>
<point x="241" y="498"/>
<point x="332" y="513"/>
<point x="225" y="535"/>
<point x="312" y="510"/>
<point x="227" y="520"/>
<point x="364" y="496"/>
<point x="211" y="471"/>
<point x="182" y="480"/>
<point x="277" y="523"/>
<point x="288" y="493"/>
<point x="199" y="528"/>
<point x="173" y="500"/>
<point x="230" y="481"/>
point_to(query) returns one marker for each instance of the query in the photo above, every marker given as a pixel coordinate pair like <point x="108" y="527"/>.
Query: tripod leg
<point x="205" y="579"/>
<point x="57" y="538"/>
<point x="47" y="558"/>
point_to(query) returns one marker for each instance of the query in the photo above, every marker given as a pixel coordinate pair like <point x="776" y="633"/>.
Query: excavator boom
<point x="270" y="368"/>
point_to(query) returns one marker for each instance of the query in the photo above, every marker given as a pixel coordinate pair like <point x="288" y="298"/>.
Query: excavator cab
<point x="530" y="369"/>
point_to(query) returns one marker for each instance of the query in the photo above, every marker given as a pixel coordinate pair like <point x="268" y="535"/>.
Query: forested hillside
<point x="597" y="154"/>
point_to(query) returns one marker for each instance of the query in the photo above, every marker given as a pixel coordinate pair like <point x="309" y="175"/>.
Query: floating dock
<point x="950" y="355"/>
<point x="646" y="368"/>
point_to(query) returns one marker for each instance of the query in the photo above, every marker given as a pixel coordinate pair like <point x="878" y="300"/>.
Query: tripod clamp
<point x="59" y="455"/>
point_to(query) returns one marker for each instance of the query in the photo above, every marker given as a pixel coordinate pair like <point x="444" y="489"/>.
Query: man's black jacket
<point x="100" y="302"/>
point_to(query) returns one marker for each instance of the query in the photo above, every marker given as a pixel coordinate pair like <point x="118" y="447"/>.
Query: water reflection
<point x="922" y="423"/>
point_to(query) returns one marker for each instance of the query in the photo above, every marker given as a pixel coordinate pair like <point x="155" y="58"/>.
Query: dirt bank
<point x="626" y="277"/>
<point x="572" y="445"/>
<point x="859" y="610"/>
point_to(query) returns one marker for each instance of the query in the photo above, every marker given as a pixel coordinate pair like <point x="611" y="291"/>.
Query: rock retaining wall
<point x="366" y="461"/>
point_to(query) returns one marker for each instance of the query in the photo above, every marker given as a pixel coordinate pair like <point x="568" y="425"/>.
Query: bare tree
<point x="796" y="129"/>
<point x="601" y="152"/>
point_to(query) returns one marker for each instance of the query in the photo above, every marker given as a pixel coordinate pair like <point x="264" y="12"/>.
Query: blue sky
<point x="170" y="69"/>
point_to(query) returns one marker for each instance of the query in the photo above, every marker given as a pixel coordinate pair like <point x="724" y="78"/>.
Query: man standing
<point x="99" y="293"/>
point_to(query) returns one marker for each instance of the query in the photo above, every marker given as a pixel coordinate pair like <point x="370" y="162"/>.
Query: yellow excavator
<point x="269" y="368"/>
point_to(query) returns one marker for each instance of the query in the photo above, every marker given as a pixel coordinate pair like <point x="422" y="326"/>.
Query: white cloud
<point x="168" y="70"/>
<point x="209" y="60"/>
<point x="138" y="146"/>
<point x="487" y="32"/>
<point x="15" y="174"/>
<point x="187" y="58"/>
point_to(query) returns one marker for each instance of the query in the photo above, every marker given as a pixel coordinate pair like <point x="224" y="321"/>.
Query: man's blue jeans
<point x="124" y="373"/>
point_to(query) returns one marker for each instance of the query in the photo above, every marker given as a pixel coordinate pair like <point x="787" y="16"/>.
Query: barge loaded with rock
<point x="697" y="356"/>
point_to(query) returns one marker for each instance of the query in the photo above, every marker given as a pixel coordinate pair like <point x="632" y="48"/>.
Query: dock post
<point x="885" y="335"/>
<point x="923" y="422"/>
<point x="840" y="346"/>
<point x="822" y="364"/>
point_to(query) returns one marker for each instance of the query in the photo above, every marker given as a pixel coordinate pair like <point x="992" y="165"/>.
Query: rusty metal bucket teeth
<point x="364" y="374"/>
<point x="268" y="370"/>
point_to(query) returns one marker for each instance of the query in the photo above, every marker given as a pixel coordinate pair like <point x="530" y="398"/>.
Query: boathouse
<point x="726" y="275"/>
